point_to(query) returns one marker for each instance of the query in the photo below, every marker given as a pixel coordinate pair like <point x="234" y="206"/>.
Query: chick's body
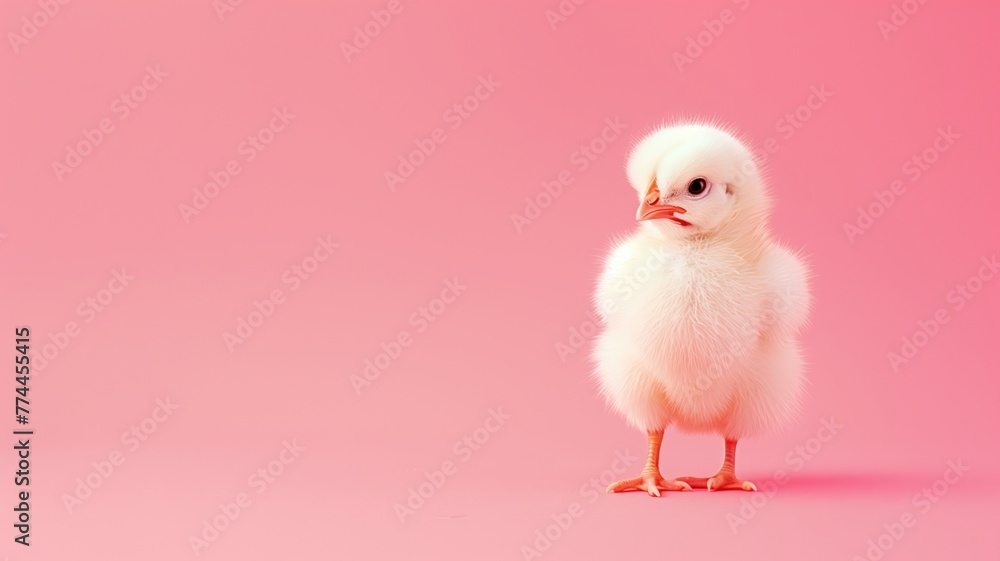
<point x="700" y="336"/>
<point x="700" y="306"/>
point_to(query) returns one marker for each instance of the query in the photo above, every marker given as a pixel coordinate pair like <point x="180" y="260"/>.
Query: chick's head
<point x="696" y="180"/>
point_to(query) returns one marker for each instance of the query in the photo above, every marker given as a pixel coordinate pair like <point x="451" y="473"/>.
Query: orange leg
<point x="650" y="479"/>
<point x="726" y="478"/>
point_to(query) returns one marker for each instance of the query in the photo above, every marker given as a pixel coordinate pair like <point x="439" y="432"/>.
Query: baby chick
<point x="700" y="306"/>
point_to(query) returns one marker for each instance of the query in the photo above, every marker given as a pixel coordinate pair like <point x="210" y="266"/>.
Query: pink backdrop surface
<point x="161" y="419"/>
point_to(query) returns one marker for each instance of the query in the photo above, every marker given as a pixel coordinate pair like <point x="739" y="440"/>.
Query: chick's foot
<point x="650" y="479"/>
<point x="650" y="482"/>
<point x="726" y="478"/>
<point x="723" y="480"/>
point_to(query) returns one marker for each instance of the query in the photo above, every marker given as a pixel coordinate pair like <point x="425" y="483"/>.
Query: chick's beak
<point x="651" y="208"/>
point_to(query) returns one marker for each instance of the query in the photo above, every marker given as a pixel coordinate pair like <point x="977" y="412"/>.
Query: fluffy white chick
<point x="700" y="306"/>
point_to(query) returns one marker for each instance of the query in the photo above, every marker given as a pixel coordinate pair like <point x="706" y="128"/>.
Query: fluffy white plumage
<point x="701" y="310"/>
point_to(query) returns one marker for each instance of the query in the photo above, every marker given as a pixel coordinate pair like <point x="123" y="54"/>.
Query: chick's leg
<point x="726" y="478"/>
<point x="650" y="479"/>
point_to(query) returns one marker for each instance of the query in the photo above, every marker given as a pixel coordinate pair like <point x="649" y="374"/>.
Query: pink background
<point x="495" y="346"/>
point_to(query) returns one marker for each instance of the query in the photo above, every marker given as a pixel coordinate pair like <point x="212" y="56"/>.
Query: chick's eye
<point x="697" y="186"/>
